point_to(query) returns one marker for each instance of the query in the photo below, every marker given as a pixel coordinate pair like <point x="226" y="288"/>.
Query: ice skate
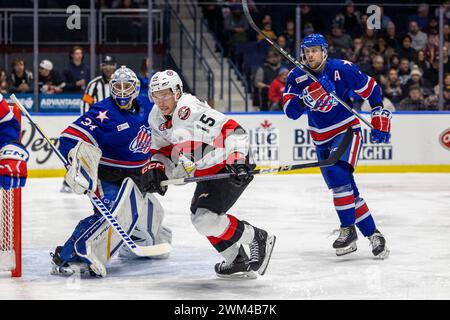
<point x="378" y="243"/>
<point x="346" y="242"/>
<point x="67" y="269"/>
<point x="238" y="269"/>
<point x="261" y="250"/>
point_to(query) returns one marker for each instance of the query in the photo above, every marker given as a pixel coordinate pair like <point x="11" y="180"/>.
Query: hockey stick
<point x="305" y="69"/>
<point x="143" y="251"/>
<point x="331" y="160"/>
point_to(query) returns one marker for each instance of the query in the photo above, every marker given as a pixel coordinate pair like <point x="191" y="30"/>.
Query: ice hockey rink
<point x="412" y="210"/>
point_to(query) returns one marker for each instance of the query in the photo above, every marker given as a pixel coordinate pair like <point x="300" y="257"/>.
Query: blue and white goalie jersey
<point x="123" y="136"/>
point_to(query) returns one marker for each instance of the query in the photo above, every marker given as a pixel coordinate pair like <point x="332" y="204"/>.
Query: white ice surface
<point x="412" y="210"/>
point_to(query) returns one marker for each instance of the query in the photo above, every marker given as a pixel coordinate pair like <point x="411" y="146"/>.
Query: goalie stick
<point x="304" y="68"/>
<point x="142" y="251"/>
<point x="331" y="160"/>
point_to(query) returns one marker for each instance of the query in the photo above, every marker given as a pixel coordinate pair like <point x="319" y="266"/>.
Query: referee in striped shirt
<point x="98" y="88"/>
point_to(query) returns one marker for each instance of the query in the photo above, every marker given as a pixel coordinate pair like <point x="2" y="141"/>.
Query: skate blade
<point x="239" y="275"/>
<point x="383" y="255"/>
<point x="269" y="248"/>
<point x="343" y="251"/>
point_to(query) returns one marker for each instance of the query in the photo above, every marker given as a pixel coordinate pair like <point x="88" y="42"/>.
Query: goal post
<point x="11" y="226"/>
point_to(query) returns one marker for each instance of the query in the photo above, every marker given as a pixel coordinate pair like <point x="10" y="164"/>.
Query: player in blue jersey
<point x="13" y="155"/>
<point x="327" y="121"/>
<point x="113" y="136"/>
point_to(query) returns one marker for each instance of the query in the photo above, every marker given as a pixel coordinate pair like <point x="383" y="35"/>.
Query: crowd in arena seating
<point x="402" y="56"/>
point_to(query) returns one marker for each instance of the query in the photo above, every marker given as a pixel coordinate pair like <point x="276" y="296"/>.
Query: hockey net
<point x="10" y="228"/>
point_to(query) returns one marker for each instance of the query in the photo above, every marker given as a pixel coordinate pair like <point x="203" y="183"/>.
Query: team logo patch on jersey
<point x="184" y="113"/>
<point x="166" y="125"/>
<point x="169" y="73"/>
<point x="301" y="78"/>
<point x="142" y="142"/>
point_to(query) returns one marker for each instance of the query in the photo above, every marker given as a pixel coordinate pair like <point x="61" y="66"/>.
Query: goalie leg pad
<point x="99" y="242"/>
<point x="149" y="229"/>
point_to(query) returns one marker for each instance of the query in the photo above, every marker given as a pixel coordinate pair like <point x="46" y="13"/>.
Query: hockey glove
<point x="326" y="83"/>
<point x="381" y="122"/>
<point x="153" y="173"/>
<point x="242" y="174"/>
<point x="13" y="166"/>
<point x="316" y="98"/>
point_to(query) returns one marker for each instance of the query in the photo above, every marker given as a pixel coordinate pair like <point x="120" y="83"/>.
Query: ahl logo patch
<point x="184" y="113"/>
<point x="142" y="142"/>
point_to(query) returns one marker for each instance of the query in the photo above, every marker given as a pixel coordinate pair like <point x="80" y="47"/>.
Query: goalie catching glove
<point x="82" y="172"/>
<point x="13" y="166"/>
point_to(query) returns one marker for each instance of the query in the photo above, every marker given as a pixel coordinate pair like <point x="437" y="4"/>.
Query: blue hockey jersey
<point x="123" y="136"/>
<point x="9" y="126"/>
<point x="326" y="123"/>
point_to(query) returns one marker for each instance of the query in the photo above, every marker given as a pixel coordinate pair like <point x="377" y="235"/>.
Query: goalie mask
<point x="314" y="40"/>
<point x="125" y="87"/>
<point x="167" y="79"/>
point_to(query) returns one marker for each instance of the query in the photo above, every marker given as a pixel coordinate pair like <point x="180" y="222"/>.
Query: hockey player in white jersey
<point x="182" y="124"/>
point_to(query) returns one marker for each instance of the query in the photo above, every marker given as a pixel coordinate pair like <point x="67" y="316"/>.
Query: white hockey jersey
<point x="202" y="134"/>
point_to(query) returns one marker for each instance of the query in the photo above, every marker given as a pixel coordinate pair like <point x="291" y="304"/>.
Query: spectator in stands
<point x="422" y="17"/>
<point x="432" y="102"/>
<point x="421" y="62"/>
<point x="394" y="61"/>
<point x="266" y="29"/>
<point x="392" y="87"/>
<point x="332" y="52"/>
<point x="236" y="27"/>
<point x="341" y="40"/>
<point x="369" y="39"/>
<point x="276" y="89"/>
<point x="212" y="11"/>
<point x="414" y="101"/>
<point x="359" y="55"/>
<point x="4" y="87"/>
<point x="20" y="79"/>
<point x="377" y="69"/>
<point x="308" y="16"/>
<point x="349" y="20"/>
<point x="406" y="51"/>
<point x="404" y="72"/>
<point x="281" y="41"/>
<point x="417" y="79"/>
<point x="77" y="73"/>
<point x="433" y="26"/>
<point x="309" y="29"/>
<point x="49" y="80"/>
<point x="289" y="34"/>
<point x="418" y="38"/>
<point x="391" y="37"/>
<point x="432" y="47"/>
<point x="264" y="76"/>
<point x="381" y="48"/>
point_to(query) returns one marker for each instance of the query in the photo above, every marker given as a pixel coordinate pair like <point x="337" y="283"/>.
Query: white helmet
<point x="167" y="79"/>
<point x="125" y="86"/>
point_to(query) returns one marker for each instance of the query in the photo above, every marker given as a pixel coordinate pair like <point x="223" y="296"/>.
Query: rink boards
<point x="420" y="143"/>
